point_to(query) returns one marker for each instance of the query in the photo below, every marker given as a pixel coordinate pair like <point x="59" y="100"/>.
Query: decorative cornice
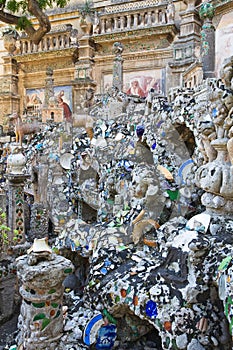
<point x="135" y="56"/>
<point x="42" y="66"/>
<point x="46" y="55"/>
<point x="130" y="6"/>
<point x="137" y="46"/>
<point x="139" y="33"/>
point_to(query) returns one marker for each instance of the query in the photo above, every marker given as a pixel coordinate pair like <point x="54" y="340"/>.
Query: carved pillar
<point x="156" y="19"/>
<point x="128" y="21"/>
<point x="41" y="274"/>
<point x="118" y="66"/>
<point x="135" y="20"/>
<point x="48" y="87"/>
<point x="149" y="18"/>
<point x="10" y="99"/>
<point x="103" y="25"/>
<point x="122" y="22"/>
<point x="84" y="84"/>
<point x="207" y="40"/>
<point x="115" y="25"/>
<point x="16" y="179"/>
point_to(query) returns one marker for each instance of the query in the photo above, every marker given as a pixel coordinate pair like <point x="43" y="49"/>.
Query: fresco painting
<point x="35" y="100"/>
<point x="139" y="83"/>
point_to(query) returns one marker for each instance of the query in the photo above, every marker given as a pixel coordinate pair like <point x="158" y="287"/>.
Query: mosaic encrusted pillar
<point x="207" y="40"/>
<point x="118" y="66"/>
<point x="41" y="317"/>
<point x="16" y="206"/>
<point x="39" y="224"/>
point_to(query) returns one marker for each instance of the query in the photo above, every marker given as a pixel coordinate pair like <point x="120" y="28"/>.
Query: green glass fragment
<point x="173" y="194"/>
<point x="117" y="299"/>
<point x="38" y="305"/>
<point x="158" y="323"/>
<point x="39" y="317"/>
<point x="167" y="342"/>
<point x="58" y="314"/>
<point x="51" y="291"/>
<point x="110" y="318"/>
<point x="45" y="323"/>
<point x="128" y="290"/>
<point x="69" y="270"/>
<point x="174" y="346"/>
<point x="224" y="263"/>
<point x="54" y="305"/>
<point x="128" y="300"/>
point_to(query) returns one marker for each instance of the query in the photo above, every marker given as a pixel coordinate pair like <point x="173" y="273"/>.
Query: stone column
<point x="16" y="206"/>
<point x="118" y="66"/>
<point x="41" y="317"/>
<point x="215" y="176"/>
<point x="128" y="21"/>
<point x="39" y="214"/>
<point x="49" y="92"/>
<point x="149" y="18"/>
<point x="207" y="40"/>
<point x="16" y="179"/>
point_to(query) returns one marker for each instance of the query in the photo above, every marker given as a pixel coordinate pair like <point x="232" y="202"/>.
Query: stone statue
<point x="230" y="145"/>
<point x="170" y="11"/>
<point x="207" y="134"/>
<point x="22" y="129"/>
<point x="96" y="24"/>
<point x="117" y="49"/>
<point x="74" y="37"/>
<point x="227" y="72"/>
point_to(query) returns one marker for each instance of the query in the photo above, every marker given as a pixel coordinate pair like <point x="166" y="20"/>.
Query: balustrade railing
<point x="51" y="42"/>
<point x="109" y="23"/>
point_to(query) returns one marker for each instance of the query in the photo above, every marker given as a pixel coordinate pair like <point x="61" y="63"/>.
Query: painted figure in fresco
<point x="135" y="89"/>
<point x="151" y="83"/>
<point x="65" y="106"/>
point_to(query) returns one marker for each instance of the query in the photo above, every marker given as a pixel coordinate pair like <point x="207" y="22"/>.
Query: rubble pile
<point x="152" y="251"/>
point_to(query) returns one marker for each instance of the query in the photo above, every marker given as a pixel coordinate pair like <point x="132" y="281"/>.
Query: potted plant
<point x="86" y="10"/>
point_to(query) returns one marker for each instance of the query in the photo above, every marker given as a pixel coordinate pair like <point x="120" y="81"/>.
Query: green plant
<point x="5" y="237"/>
<point x="86" y="8"/>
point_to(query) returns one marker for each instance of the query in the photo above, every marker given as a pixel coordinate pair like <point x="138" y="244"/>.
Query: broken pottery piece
<point x="151" y="309"/>
<point x="106" y="337"/>
<point x="39" y="245"/>
<point x="65" y="160"/>
<point x="164" y="171"/>
<point x="199" y="222"/>
<point x="91" y="329"/>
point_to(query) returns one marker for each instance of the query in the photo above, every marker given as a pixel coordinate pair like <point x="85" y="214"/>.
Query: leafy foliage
<point x="23" y="22"/>
<point x="5" y="242"/>
<point x="86" y="8"/>
<point x="19" y="12"/>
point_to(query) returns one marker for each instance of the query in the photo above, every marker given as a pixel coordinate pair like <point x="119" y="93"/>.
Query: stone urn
<point x="16" y="162"/>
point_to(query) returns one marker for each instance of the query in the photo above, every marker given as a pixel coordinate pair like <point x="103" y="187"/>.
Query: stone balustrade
<point x="57" y="40"/>
<point x="136" y="19"/>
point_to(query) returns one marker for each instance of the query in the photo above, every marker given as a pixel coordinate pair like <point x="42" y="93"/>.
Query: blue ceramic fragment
<point x="103" y="270"/>
<point x="140" y="129"/>
<point x="154" y="145"/>
<point x="151" y="309"/>
<point x="106" y="337"/>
